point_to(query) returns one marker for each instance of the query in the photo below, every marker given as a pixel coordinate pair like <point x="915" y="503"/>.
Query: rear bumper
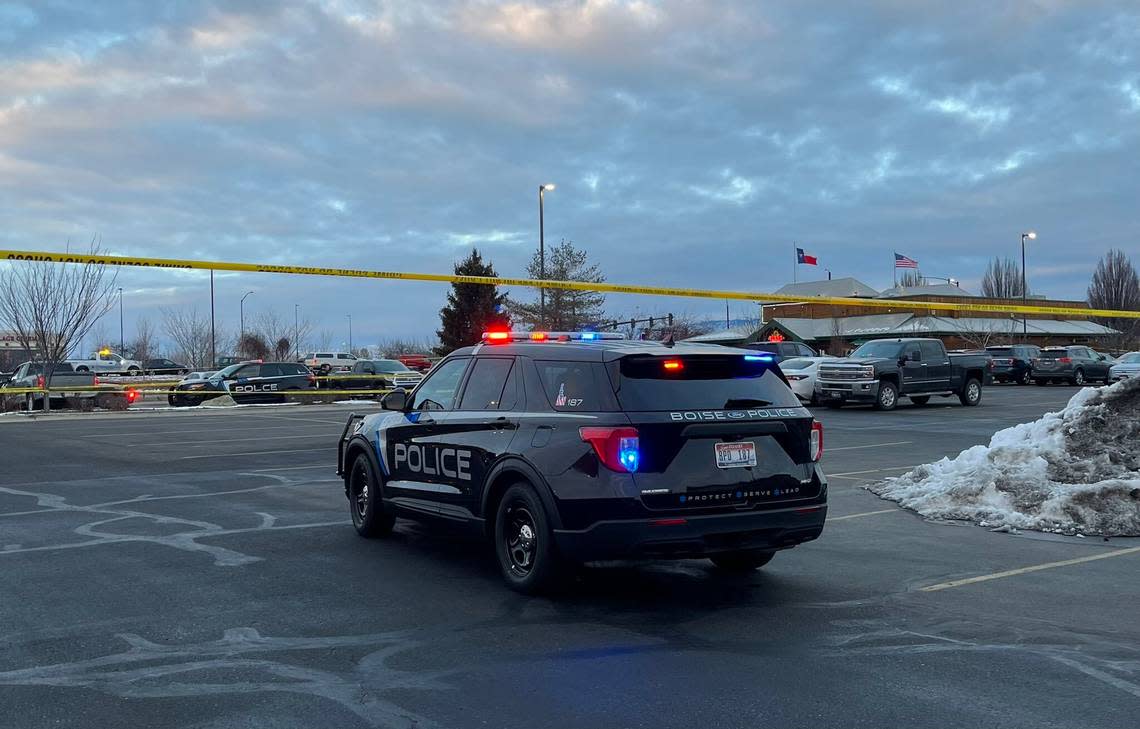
<point x="697" y="536"/>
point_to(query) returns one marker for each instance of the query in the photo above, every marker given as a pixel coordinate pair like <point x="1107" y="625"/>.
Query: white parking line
<point x="257" y="453"/>
<point x="328" y="434"/>
<point x="291" y="468"/>
<point x="1025" y="570"/>
<point x="119" y="434"/>
<point x="865" y="513"/>
<point x="853" y="475"/>
<point x="872" y="445"/>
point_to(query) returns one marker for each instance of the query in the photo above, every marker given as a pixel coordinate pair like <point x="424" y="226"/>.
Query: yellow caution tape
<point x="901" y="305"/>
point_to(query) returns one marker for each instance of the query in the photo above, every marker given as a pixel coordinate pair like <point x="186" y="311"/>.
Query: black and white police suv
<point x="569" y="447"/>
<point x="246" y="382"/>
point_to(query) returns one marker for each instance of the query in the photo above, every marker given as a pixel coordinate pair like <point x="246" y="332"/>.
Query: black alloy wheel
<point x="364" y="501"/>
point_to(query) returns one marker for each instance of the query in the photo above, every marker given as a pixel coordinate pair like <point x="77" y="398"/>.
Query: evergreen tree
<point x="471" y="308"/>
<point x="566" y="310"/>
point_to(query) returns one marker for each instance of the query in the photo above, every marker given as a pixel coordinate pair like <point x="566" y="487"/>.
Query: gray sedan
<point x="1127" y="366"/>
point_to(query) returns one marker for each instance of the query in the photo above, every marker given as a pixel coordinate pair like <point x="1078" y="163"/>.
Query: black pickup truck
<point x="883" y="370"/>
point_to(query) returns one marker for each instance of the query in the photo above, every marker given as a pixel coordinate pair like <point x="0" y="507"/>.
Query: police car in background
<point x="569" y="447"/>
<point x="246" y="382"/>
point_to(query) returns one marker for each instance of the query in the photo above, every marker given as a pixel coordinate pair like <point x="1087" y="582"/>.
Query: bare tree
<point x="1002" y="279"/>
<point x="395" y="346"/>
<point x="273" y="328"/>
<point x="981" y="333"/>
<point x="325" y="340"/>
<point x="282" y="349"/>
<point x="51" y="306"/>
<point x="190" y="332"/>
<point x="1115" y="285"/>
<point x="910" y="278"/>
<point x="143" y="346"/>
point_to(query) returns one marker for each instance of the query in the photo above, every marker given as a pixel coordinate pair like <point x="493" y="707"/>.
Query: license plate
<point x="735" y="455"/>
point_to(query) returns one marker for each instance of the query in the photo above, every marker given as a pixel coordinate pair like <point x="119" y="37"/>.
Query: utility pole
<point x="241" y="316"/>
<point x="122" y="344"/>
<point x="542" y="255"/>
<point x="350" y="333"/>
<point x="213" y="340"/>
<point x="296" y="331"/>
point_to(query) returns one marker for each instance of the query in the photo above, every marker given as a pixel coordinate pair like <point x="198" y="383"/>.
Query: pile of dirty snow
<point x="1073" y="471"/>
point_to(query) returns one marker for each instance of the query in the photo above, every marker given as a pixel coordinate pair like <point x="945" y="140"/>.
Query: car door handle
<point x="500" y="423"/>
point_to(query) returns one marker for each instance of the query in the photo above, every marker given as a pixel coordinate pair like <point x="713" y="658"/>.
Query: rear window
<point x="1053" y="353"/>
<point x="714" y="382"/>
<point x="1000" y="351"/>
<point x="576" y="386"/>
<point x="1130" y="358"/>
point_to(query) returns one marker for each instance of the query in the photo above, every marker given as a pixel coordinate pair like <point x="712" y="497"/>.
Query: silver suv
<point x="326" y="362"/>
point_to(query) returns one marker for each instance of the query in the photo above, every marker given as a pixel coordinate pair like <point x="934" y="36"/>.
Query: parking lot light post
<point x="122" y="344"/>
<point x="296" y="331"/>
<point x="542" y="255"/>
<point x="241" y="317"/>
<point x="350" y="333"/>
<point x="1031" y="235"/>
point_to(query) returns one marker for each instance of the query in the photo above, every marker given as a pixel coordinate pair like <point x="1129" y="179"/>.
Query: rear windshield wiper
<point x="745" y="402"/>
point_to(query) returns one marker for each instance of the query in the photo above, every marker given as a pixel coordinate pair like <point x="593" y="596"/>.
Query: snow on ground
<point x="355" y="402"/>
<point x="1073" y="471"/>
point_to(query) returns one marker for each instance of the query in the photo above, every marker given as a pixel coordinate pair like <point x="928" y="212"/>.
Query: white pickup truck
<point x="106" y="363"/>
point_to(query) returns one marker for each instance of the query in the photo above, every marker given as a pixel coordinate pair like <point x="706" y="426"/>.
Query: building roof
<point x="902" y="325"/>
<point x="833" y="287"/>
<point x="725" y="336"/>
<point x="934" y="290"/>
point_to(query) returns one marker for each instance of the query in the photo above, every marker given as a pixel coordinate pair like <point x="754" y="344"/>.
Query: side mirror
<point x="396" y="400"/>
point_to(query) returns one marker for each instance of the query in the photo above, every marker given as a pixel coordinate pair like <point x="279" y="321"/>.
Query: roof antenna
<point x="669" y="341"/>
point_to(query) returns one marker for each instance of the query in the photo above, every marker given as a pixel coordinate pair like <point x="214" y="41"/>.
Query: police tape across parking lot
<point x="186" y="264"/>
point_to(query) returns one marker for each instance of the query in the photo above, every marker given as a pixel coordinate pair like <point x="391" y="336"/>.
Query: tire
<point x="888" y="396"/>
<point x="920" y="399"/>
<point x="365" y="503"/>
<point x="133" y="372"/>
<point x="81" y="369"/>
<point x="524" y="542"/>
<point x="1078" y="378"/>
<point x="971" y="393"/>
<point x="743" y="561"/>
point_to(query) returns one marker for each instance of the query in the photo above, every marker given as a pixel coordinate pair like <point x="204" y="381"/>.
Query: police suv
<point x="246" y="382"/>
<point x="569" y="447"/>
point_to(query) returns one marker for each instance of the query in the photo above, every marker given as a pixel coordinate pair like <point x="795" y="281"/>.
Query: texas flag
<point x="802" y="257"/>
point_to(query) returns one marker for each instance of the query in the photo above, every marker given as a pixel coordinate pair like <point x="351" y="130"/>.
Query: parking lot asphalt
<point x="199" y="569"/>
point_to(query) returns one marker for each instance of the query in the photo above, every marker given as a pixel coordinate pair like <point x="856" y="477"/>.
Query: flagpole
<point x="795" y="261"/>
<point x="895" y="269"/>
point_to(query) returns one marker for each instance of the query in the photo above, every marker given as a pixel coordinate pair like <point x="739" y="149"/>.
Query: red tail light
<point x="815" y="440"/>
<point x="95" y="380"/>
<point x="132" y="395"/>
<point x="619" y="449"/>
<point x="40" y="382"/>
<point x="1065" y="360"/>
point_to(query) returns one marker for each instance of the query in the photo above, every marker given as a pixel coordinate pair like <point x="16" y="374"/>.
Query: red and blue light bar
<point x="500" y="337"/>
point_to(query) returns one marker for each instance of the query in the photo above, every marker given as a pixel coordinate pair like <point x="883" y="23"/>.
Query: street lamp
<point x="350" y="333"/>
<point x="296" y="331"/>
<point x="1031" y="235"/>
<point x="542" y="255"/>
<point x="122" y="347"/>
<point x="241" y="315"/>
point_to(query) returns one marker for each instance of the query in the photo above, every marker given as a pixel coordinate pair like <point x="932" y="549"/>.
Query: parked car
<point x="1075" y="364"/>
<point x="801" y="373"/>
<point x="65" y="387"/>
<point x="164" y="367"/>
<point x="373" y="374"/>
<point x="1128" y="365"/>
<point x="104" y="362"/>
<point x="882" y="370"/>
<point x="247" y="382"/>
<point x="1014" y="363"/>
<point x="417" y="362"/>
<point x="326" y="362"/>
<point x="782" y="350"/>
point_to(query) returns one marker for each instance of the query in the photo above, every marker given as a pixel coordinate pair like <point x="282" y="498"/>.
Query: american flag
<point x="902" y="261"/>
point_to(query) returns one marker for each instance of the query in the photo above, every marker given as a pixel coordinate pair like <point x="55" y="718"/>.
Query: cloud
<point x="369" y="134"/>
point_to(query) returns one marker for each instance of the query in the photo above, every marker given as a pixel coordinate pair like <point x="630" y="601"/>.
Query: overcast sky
<point x="692" y="142"/>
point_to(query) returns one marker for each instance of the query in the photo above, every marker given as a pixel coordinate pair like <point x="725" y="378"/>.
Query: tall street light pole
<point x="350" y="333"/>
<point x="213" y="340"/>
<point x="1031" y="235"/>
<point x="122" y="344"/>
<point x="241" y="316"/>
<point x="542" y="255"/>
<point x="296" y="331"/>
